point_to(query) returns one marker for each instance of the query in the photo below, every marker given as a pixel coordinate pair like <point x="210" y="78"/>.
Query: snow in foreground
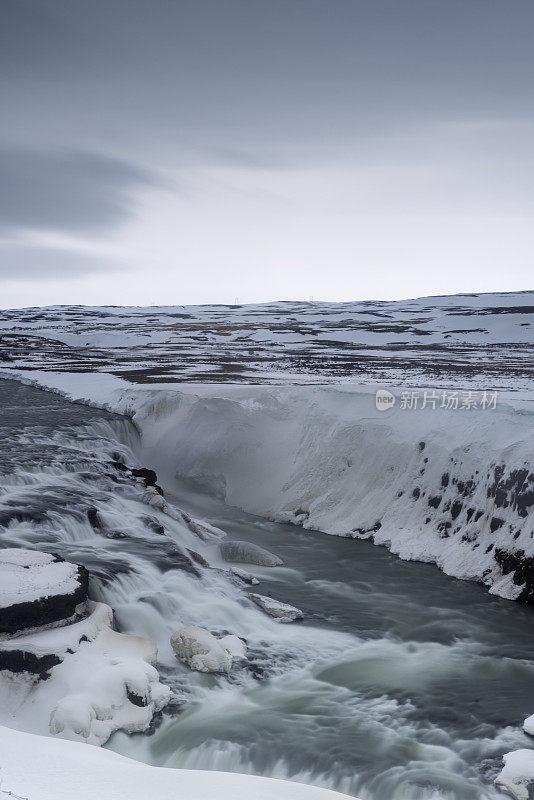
<point x="63" y="770"/>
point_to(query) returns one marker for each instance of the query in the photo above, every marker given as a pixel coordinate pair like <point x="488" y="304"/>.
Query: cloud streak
<point x="68" y="190"/>
<point x="28" y="263"/>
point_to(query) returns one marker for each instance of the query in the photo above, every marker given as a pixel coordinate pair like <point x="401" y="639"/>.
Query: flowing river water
<point x="400" y="682"/>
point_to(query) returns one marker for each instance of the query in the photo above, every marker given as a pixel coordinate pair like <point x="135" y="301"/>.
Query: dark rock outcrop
<point x="45" y="604"/>
<point x="148" y="476"/>
<point x="24" y="661"/>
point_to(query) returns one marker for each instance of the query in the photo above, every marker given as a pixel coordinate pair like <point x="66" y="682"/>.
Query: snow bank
<point x="49" y="769"/>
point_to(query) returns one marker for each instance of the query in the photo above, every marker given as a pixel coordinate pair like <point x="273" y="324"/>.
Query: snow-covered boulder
<point x="248" y="553"/>
<point x="528" y="725"/>
<point x="37" y="651"/>
<point x="119" y="692"/>
<point x="198" y="558"/>
<point x="153" y="498"/>
<point x="282" y="612"/>
<point x="38" y="589"/>
<point x="517" y="775"/>
<point x="246" y="577"/>
<point x="201" y="651"/>
<point x="204" y="530"/>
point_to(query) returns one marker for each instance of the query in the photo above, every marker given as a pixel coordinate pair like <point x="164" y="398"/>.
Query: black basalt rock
<point x="94" y="519"/>
<point x="21" y="661"/>
<point x="523" y="568"/>
<point x="136" y="699"/>
<point x="148" y="475"/>
<point x="44" y="610"/>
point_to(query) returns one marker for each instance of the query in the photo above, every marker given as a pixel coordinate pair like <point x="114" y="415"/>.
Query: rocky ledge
<point x="38" y="589"/>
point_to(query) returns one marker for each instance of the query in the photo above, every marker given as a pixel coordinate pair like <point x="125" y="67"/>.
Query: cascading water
<point x="400" y="683"/>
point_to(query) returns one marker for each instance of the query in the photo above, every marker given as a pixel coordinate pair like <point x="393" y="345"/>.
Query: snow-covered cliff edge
<point x="447" y="486"/>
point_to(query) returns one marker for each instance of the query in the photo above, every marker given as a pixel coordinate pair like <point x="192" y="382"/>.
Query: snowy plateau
<point x="272" y="411"/>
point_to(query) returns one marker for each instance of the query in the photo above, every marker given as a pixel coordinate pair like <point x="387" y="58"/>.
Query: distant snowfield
<point x="463" y="340"/>
<point x="37" y="767"/>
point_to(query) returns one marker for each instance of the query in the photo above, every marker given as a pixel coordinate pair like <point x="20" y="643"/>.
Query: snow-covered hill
<point x="481" y="340"/>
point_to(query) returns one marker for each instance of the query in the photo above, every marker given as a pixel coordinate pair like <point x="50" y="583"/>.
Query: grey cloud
<point x="259" y="158"/>
<point x="25" y="263"/>
<point x="30" y="35"/>
<point x="206" y="72"/>
<point x="74" y="191"/>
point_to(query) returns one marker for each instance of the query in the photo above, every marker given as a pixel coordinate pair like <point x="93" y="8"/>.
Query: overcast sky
<point x="190" y="151"/>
